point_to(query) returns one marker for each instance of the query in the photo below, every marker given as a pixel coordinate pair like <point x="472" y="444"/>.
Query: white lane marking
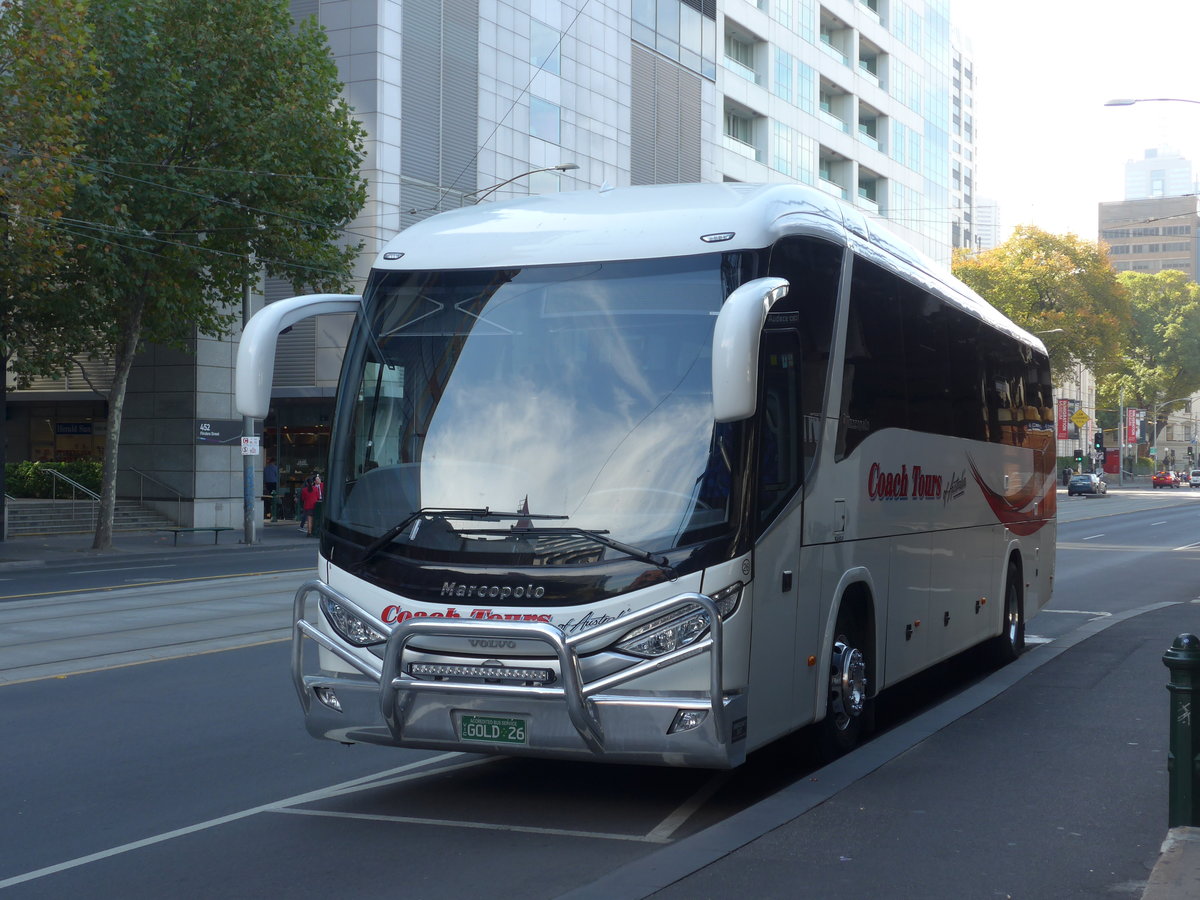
<point x="484" y="826"/>
<point x="122" y="569"/>
<point x="1092" y="537"/>
<point x="1079" y="612"/>
<point x="309" y="797"/>
<point x="1037" y="639"/>
<point x="662" y="832"/>
<point x="1152" y="524"/>
<point x="1189" y="546"/>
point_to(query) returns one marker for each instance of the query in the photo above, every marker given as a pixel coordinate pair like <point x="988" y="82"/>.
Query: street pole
<point x="247" y="431"/>
<point x="1121" y="443"/>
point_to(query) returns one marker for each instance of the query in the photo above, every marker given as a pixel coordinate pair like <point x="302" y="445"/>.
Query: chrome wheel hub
<point x="848" y="684"/>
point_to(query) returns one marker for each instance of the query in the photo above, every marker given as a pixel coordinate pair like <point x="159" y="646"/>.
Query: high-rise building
<point x="987" y="223"/>
<point x="964" y="222"/>
<point x="1159" y="173"/>
<point x="471" y="99"/>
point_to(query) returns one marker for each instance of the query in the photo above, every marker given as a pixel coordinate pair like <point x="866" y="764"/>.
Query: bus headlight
<point x="350" y="627"/>
<point x="680" y="628"/>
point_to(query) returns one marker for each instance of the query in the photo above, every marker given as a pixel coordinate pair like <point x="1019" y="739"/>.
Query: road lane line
<point x="308" y="797"/>
<point x="452" y="823"/>
<point x="138" y="662"/>
<point x="662" y="832"/>
<point x="122" y="569"/>
<point x="122" y="587"/>
<point x="1093" y="537"/>
<point x="1079" y="612"/>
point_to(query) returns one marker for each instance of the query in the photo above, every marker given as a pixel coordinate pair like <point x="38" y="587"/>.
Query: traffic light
<point x="1191" y="453"/>
<point x="1078" y="455"/>
<point x="1098" y="440"/>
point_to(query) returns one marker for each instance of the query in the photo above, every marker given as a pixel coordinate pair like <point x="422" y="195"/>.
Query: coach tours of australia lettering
<point x="905" y="483"/>
<point x="574" y="624"/>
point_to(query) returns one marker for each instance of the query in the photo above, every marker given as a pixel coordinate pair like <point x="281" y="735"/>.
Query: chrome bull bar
<point x="397" y="688"/>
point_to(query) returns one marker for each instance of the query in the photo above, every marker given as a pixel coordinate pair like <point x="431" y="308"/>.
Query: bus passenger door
<point x="785" y="606"/>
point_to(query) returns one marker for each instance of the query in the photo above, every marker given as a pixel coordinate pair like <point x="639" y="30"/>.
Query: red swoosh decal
<point x="1022" y="516"/>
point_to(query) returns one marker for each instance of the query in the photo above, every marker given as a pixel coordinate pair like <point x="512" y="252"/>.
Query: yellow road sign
<point x="1080" y="418"/>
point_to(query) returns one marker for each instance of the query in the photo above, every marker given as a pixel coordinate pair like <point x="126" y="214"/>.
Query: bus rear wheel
<point x="1011" y="641"/>
<point x="849" y="712"/>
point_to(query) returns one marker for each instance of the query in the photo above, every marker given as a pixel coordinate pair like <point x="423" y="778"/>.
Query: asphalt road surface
<point x="142" y="764"/>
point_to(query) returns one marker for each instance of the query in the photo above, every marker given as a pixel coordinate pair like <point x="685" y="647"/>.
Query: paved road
<point x="139" y="777"/>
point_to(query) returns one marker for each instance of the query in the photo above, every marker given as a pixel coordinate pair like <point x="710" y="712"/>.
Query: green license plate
<point x="493" y="729"/>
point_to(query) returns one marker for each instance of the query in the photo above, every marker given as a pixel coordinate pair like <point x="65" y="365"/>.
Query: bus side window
<point x="781" y="432"/>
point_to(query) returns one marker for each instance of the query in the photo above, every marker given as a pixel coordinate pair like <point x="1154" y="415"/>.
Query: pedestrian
<point x="310" y="493"/>
<point x="270" y="486"/>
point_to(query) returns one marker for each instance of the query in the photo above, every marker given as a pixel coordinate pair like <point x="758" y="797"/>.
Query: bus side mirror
<point x="735" y="347"/>
<point x="256" y="350"/>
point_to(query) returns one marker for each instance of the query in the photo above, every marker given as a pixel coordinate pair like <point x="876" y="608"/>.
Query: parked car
<point x="1166" y="479"/>
<point x="1194" y="478"/>
<point x="1086" y="484"/>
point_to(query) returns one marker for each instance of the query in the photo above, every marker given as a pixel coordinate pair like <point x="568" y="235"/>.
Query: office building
<point x="1151" y="235"/>
<point x="1159" y="173"/>
<point x="964" y="223"/>
<point x="850" y="96"/>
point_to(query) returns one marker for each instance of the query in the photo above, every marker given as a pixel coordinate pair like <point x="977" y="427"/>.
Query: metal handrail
<point x="57" y="476"/>
<point x="144" y="477"/>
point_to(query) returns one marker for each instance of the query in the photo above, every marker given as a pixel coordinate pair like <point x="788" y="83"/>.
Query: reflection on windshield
<point x="577" y="391"/>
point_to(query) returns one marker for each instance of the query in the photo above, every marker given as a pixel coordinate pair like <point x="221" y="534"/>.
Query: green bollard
<point x="1183" y="661"/>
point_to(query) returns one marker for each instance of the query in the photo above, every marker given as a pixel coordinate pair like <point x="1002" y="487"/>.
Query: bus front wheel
<point x="849" y="711"/>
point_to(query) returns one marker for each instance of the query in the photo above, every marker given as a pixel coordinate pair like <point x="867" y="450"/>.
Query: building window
<point x="544" y="120"/>
<point x="543" y="46"/>
<point x="739" y="127"/>
<point x="783" y="75"/>
<point x="741" y="56"/>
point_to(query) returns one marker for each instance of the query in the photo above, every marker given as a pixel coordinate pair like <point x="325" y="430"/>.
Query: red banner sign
<point x="1064" y="420"/>
<point x="1131" y="426"/>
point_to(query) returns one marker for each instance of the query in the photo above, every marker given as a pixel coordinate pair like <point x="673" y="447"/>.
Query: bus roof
<point x="656" y="221"/>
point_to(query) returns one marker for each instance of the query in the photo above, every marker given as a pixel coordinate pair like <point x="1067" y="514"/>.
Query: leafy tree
<point x="1058" y="286"/>
<point x="223" y="144"/>
<point x="49" y="85"/>
<point x="1162" y="346"/>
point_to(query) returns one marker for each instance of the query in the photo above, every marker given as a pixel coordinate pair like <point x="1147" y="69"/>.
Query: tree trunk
<point x="122" y="365"/>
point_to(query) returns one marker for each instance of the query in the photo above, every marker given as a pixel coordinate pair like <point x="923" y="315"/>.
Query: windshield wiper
<point x="600" y="537"/>
<point x="441" y="512"/>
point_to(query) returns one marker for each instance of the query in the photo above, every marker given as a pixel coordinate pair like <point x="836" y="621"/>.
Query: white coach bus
<point x="661" y="474"/>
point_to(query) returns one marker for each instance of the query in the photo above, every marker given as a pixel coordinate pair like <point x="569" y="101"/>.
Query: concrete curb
<point x="1176" y="874"/>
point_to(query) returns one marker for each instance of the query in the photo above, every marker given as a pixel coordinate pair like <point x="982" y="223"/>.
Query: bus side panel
<point x="785" y="605"/>
<point x="908" y="629"/>
<point x="965" y="589"/>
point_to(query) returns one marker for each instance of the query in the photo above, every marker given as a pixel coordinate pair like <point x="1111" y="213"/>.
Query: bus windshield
<point x="505" y="412"/>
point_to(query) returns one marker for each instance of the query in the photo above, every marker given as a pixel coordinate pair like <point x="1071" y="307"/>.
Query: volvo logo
<point x="492" y="643"/>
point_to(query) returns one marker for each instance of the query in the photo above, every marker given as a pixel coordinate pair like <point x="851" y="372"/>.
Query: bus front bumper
<point x="602" y="720"/>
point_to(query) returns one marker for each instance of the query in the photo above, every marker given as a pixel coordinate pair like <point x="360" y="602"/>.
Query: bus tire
<point x="1007" y="646"/>
<point x="849" y="711"/>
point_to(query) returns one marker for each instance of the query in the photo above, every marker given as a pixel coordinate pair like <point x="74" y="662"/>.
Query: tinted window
<point x="915" y="361"/>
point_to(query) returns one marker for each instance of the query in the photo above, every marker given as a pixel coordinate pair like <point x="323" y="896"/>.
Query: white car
<point x="1194" y="478"/>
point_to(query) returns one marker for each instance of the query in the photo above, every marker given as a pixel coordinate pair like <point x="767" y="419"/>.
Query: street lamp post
<point x="1125" y="101"/>
<point x="487" y="191"/>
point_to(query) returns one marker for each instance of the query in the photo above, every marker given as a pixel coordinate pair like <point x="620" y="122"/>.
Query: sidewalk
<point x="47" y="549"/>
<point x="1046" y="781"/>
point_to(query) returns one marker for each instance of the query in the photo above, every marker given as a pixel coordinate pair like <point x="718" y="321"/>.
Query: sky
<point x="1048" y="150"/>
